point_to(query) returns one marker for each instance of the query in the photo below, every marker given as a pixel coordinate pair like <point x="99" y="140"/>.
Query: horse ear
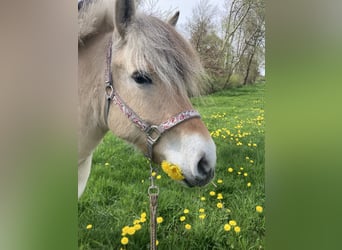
<point x="124" y="14"/>
<point x="173" y="20"/>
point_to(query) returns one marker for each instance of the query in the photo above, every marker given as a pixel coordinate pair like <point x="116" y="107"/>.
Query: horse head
<point x="154" y="70"/>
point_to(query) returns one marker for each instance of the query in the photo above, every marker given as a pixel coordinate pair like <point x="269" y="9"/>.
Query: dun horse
<point x="135" y="73"/>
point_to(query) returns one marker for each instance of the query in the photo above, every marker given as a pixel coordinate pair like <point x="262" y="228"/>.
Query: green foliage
<point x="116" y="194"/>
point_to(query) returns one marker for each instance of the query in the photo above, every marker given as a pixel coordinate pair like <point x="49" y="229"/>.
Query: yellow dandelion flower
<point x="249" y="144"/>
<point x="157" y="242"/>
<point x="219" y="205"/>
<point x="254" y="144"/>
<point x="239" y="173"/>
<point x="230" y="170"/>
<point x="219" y="181"/>
<point x="212" y="193"/>
<point x="136" y="222"/>
<point x="201" y="210"/>
<point x="124" y="240"/>
<point x="202" y="216"/>
<point x="227" y="227"/>
<point x="182" y="218"/>
<point x="249" y="184"/>
<point x="106" y="164"/>
<point x="172" y="170"/>
<point x="160" y="219"/>
<point x="219" y="196"/>
<point x="89" y="226"/>
<point x="259" y="209"/>
<point x="241" y="168"/>
<point x="245" y="174"/>
<point x="158" y="177"/>
<point x="137" y="227"/>
<point x="187" y="226"/>
<point x="251" y="161"/>
<point x="186" y="211"/>
<point x="247" y="158"/>
<point x="124" y="230"/>
<point x="143" y="215"/>
<point x="237" y="229"/>
<point x="232" y="223"/>
<point x="153" y="174"/>
<point x="143" y="219"/>
<point x="202" y="198"/>
<point x="131" y="230"/>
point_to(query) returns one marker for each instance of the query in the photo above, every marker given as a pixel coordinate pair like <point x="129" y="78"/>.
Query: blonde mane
<point x="94" y="16"/>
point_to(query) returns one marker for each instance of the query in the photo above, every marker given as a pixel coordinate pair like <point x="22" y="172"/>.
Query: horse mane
<point x="155" y="46"/>
<point x="94" y="16"/>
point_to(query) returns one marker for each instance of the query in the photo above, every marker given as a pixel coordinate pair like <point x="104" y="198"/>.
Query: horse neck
<point x="91" y="88"/>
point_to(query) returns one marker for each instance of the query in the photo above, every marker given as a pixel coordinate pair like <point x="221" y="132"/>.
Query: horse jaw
<point x="194" y="154"/>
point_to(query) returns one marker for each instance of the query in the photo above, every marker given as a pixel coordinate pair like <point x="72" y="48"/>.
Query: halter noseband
<point x="153" y="132"/>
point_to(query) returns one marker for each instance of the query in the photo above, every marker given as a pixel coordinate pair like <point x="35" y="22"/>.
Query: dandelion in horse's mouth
<point x="124" y="240"/>
<point x="89" y="226"/>
<point x="259" y="209"/>
<point x="172" y="170"/>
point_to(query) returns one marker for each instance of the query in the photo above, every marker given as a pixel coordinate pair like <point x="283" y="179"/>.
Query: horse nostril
<point x="202" y="167"/>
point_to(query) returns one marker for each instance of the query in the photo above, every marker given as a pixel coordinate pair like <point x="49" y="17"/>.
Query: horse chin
<point x="190" y="182"/>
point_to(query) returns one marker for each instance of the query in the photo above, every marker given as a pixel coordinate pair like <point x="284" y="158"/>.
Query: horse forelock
<point x="153" y="45"/>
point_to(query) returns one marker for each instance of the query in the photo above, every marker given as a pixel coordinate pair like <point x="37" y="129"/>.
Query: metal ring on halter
<point x="109" y="91"/>
<point x="153" y="134"/>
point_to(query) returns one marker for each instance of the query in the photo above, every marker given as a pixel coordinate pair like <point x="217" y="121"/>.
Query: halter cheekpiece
<point x="153" y="132"/>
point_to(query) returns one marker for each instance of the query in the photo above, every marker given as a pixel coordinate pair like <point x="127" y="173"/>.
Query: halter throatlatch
<point x="152" y="132"/>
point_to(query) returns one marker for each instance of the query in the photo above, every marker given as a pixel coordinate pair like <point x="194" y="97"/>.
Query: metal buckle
<point x="153" y="190"/>
<point x="109" y="91"/>
<point x="153" y="134"/>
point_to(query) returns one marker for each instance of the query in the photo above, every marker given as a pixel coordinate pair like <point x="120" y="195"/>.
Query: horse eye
<point x="141" y="77"/>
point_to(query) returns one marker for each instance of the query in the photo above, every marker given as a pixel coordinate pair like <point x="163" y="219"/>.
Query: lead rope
<point x="153" y="192"/>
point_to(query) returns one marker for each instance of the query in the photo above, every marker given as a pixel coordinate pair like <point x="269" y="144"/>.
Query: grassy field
<point x="222" y="215"/>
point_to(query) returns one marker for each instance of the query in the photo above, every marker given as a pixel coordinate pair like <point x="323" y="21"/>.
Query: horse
<point x="135" y="76"/>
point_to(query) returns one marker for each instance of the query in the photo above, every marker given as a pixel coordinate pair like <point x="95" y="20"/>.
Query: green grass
<point x="116" y="192"/>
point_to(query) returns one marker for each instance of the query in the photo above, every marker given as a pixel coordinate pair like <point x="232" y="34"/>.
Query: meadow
<point x="228" y="213"/>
